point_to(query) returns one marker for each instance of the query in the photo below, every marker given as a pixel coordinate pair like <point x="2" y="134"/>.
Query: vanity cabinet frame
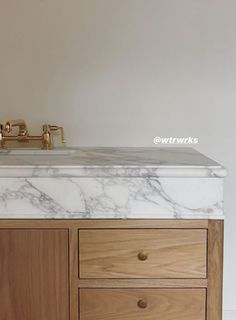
<point x="212" y="283"/>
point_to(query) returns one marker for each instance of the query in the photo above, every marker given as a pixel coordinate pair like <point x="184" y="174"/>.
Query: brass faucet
<point x="46" y="137"/>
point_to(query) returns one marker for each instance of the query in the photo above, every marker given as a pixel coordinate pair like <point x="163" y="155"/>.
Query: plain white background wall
<point x="120" y="72"/>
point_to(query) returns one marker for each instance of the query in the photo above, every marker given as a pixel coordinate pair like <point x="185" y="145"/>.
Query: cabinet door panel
<point x="34" y="275"/>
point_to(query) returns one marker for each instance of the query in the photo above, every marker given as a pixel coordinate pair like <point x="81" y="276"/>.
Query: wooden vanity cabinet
<point x="111" y="269"/>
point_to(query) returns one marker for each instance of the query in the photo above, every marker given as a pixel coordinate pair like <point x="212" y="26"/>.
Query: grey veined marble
<point x="112" y="183"/>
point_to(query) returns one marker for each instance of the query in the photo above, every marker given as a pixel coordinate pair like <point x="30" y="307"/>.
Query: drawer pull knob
<point x="142" y="304"/>
<point x="142" y="256"/>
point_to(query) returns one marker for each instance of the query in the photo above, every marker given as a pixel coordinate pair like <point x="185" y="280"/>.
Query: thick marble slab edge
<point x="108" y="162"/>
<point x="112" y="183"/>
<point x="131" y="171"/>
<point x="111" y="198"/>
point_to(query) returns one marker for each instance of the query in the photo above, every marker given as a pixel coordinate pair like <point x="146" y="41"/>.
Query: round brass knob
<point x="142" y="304"/>
<point x="142" y="256"/>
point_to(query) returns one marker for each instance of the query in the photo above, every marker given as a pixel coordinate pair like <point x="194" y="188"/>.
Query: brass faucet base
<point x="23" y="136"/>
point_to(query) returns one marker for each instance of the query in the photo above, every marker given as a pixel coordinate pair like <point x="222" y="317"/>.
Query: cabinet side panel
<point x="215" y="269"/>
<point x="34" y="274"/>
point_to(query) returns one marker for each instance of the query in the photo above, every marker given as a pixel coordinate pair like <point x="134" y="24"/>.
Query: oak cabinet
<point x="111" y="269"/>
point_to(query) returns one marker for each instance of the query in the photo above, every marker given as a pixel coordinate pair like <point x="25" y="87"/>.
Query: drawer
<point x="141" y="304"/>
<point x="155" y="253"/>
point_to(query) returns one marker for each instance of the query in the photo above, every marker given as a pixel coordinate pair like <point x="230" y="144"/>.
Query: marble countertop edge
<point x="111" y="171"/>
<point x="183" y="217"/>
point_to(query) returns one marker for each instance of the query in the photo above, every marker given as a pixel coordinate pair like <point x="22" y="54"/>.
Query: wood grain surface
<point x="161" y="304"/>
<point x="170" y="253"/>
<point x="215" y="269"/>
<point x="142" y="283"/>
<point x="103" y="223"/>
<point x="34" y="275"/>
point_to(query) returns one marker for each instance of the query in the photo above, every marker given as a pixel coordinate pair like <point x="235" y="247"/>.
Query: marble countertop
<point x="106" y="161"/>
<point x="111" y="183"/>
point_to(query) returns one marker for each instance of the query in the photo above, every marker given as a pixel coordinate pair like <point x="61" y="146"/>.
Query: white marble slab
<point x="112" y="183"/>
<point x="106" y="162"/>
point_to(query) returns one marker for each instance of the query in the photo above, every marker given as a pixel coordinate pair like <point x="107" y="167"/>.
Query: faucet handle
<point x="2" y="143"/>
<point x="23" y="131"/>
<point x="48" y="136"/>
<point x="61" y="129"/>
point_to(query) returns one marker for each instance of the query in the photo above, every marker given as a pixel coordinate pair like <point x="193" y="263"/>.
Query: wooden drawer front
<point x="142" y="304"/>
<point x="159" y="253"/>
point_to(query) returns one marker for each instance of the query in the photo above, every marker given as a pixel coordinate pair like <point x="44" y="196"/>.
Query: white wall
<point x="120" y="72"/>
